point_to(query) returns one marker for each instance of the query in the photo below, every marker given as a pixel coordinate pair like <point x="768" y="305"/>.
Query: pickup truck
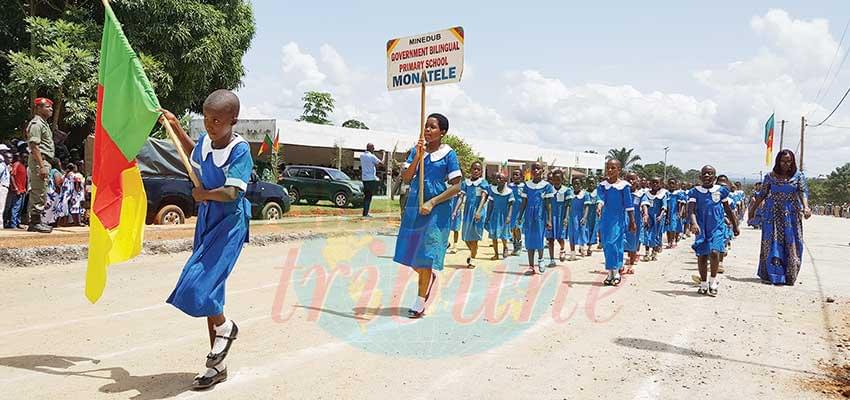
<point x="170" y="200"/>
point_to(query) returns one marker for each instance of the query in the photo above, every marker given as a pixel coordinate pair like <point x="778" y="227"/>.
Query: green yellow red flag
<point x="127" y="110"/>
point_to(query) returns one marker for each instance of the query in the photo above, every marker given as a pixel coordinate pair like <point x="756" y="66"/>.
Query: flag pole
<point x="422" y="137"/>
<point x="179" y="146"/>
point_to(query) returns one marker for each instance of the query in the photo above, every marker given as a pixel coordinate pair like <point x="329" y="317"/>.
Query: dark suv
<point x="313" y="184"/>
<point x="170" y="200"/>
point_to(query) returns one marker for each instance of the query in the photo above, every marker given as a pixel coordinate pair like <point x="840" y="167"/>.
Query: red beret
<point x="43" y="101"/>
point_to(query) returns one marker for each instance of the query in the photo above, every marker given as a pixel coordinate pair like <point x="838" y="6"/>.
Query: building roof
<point x="307" y="134"/>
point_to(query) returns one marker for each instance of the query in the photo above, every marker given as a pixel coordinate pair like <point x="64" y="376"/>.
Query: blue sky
<point x="554" y="70"/>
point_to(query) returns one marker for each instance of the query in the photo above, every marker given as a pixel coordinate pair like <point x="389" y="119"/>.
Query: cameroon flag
<point x="768" y="140"/>
<point x="266" y="146"/>
<point x="126" y="113"/>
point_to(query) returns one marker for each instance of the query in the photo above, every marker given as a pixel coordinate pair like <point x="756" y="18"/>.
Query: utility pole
<point x="781" y="134"/>
<point x="802" y="136"/>
<point x="666" y="149"/>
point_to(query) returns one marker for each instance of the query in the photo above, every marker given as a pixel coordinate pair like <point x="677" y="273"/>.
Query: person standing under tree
<point x="368" y="173"/>
<point x="41" y="146"/>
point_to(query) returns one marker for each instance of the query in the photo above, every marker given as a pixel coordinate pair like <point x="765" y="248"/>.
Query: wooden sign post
<point x="428" y="59"/>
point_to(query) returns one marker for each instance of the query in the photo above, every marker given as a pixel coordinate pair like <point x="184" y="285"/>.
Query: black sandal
<point x="608" y="281"/>
<point x="415" y="314"/>
<point x="215" y="359"/>
<point x="205" y="382"/>
<point x="469" y="263"/>
<point x="615" y="282"/>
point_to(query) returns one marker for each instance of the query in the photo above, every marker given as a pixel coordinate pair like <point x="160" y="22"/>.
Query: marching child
<point x="424" y="232"/>
<point x="657" y="215"/>
<point x="535" y="215"/>
<point x="516" y="228"/>
<point x="558" y="204"/>
<point x="641" y="205"/>
<point x="577" y="224"/>
<point x="686" y="226"/>
<point x="224" y="164"/>
<point x="707" y="205"/>
<point x="499" y="215"/>
<point x="457" y="218"/>
<point x="474" y="191"/>
<point x="674" y="200"/>
<point x="616" y="217"/>
<point x="592" y="226"/>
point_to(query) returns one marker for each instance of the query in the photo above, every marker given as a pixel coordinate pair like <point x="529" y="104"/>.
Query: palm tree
<point x="624" y="156"/>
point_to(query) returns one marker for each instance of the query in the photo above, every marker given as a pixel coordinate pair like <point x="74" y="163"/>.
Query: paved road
<point x="319" y="319"/>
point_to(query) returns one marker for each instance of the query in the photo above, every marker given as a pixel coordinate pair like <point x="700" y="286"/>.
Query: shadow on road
<point x="149" y="387"/>
<point x="661" y="347"/>
<point x="332" y="312"/>
<point x="381" y="311"/>
<point x="676" y="293"/>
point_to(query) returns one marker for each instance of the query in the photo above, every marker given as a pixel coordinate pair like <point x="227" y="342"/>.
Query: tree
<point x="835" y="188"/>
<point x="465" y="153"/>
<point x="193" y="48"/>
<point x="691" y="175"/>
<point x="318" y="106"/>
<point x="624" y="156"/>
<point x="657" y="169"/>
<point x="353" y="123"/>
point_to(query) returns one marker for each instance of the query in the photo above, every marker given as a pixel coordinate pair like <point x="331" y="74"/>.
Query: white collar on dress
<point x="659" y="194"/>
<point x="506" y="191"/>
<point x="539" y="185"/>
<point x="563" y="189"/>
<point x="511" y="184"/>
<point x="639" y="192"/>
<point x="619" y="185"/>
<point x="220" y="156"/>
<point x="439" y="153"/>
<point x="470" y="182"/>
<point x="593" y="193"/>
<point x="581" y="193"/>
<point x="704" y="190"/>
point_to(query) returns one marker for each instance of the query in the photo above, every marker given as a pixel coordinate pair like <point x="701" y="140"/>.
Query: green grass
<point x="327" y="208"/>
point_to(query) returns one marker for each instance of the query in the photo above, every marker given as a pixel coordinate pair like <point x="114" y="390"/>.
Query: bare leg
<point x="715" y="263"/>
<point x="473" y="248"/>
<point x="551" y="248"/>
<point x="496" y="248"/>
<point x="424" y="281"/>
<point x="702" y="264"/>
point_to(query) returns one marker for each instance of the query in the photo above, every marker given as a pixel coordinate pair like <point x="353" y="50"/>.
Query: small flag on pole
<point x="276" y="144"/>
<point x="266" y="146"/>
<point x="768" y="140"/>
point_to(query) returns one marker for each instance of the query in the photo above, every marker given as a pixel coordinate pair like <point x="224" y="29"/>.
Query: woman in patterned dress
<point x="785" y="195"/>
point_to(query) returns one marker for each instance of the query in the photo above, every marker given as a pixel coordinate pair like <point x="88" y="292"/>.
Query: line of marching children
<point x="620" y="216"/>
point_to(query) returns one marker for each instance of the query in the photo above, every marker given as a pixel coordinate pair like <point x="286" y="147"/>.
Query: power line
<point x="833" y="110"/>
<point x="829" y="71"/>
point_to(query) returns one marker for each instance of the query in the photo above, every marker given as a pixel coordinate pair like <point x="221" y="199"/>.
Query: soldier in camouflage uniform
<point x="40" y="140"/>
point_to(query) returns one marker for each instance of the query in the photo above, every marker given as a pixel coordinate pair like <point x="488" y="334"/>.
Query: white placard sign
<point x="439" y="53"/>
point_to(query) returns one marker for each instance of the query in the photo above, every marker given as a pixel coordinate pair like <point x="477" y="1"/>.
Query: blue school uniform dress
<point x="221" y="229"/>
<point x="683" y="204"/>
<point x="592" y="225"/>
<point x="456" y="219"/>
<point x="639" y="200"/>
<point x="500" y="201"/>
<point x="657" y="203"/>
<point x="422" y="239"/>
<point x="616" y="202"/>
<point x="755" y="222"/>
<point x="673" y="221"/>
<point x="709" y="212"/>
<point x="578" y="233"/>
<point x="516" y="189"/>
<point x="473" y="191"/>
<point x="559" y="202"/>
<point x="534" y="220"/>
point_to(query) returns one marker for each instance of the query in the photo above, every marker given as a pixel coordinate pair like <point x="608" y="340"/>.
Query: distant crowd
<point x="835" y="210"/>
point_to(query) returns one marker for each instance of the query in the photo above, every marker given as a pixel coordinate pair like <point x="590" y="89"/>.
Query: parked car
<point x="170" y="200"/>
<point x="312" y="184"/>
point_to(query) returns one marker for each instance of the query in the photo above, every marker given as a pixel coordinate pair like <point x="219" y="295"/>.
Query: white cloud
<point x="723" y="128"/>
